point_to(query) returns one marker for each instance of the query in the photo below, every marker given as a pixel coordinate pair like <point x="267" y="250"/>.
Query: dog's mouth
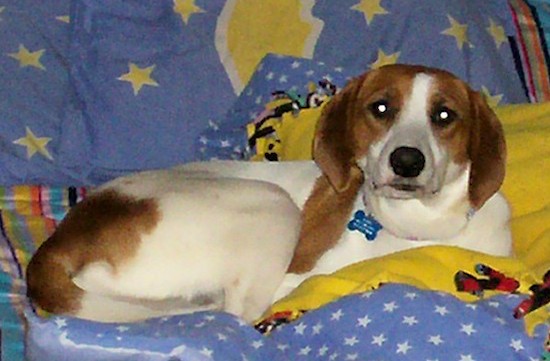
<point x="401" y="190"/>
<point x="406" y="187"/>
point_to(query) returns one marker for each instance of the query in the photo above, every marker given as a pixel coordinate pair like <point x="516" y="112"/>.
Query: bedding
<point x="349" y="315"/>
<point x="93" y="89"/>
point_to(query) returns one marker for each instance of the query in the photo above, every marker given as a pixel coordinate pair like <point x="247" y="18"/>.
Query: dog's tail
<point x="49" y="280"/>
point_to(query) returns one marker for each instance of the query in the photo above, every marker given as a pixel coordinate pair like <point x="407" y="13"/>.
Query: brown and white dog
<point x="413" y="147"/>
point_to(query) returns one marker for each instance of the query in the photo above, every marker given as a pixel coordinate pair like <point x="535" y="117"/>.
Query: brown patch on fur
<point x="476" y="136"/>
<point x="106" y="226"/>
<point x="487" y="151"/>
<point x="324" y="217"/>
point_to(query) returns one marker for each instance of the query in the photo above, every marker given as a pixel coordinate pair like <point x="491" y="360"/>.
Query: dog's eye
<point x="443" y="116"/>
<point x="380" y="109"/>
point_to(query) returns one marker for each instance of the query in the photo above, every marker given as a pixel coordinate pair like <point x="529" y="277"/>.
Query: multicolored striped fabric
<point x="532" y="51"/>
<point x="28" y="215"/>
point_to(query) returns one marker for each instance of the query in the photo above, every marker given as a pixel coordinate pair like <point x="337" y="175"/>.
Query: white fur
<point x="226" y="239"/>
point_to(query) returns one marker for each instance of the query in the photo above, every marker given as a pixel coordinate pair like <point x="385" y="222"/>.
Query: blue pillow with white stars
<point x="227" y="139"/>
<point x="392" y="323"/>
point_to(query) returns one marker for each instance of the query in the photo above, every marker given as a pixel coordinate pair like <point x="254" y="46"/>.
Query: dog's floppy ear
<point x="486" y="150"/>
<point x="334" y="142"/>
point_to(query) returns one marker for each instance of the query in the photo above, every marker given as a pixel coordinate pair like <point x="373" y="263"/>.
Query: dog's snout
<point x="407" y="162"/>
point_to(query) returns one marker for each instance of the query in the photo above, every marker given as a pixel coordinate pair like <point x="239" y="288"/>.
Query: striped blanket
<point x="28" y="215"/>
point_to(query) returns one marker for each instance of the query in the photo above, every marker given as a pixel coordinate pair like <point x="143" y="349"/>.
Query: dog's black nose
<point x="407" y="162"/>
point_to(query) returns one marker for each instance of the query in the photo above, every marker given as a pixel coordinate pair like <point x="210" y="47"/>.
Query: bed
<point x="92" y="89"/>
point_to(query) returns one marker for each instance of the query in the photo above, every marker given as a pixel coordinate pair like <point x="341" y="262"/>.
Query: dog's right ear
<point x="334" y="141"/>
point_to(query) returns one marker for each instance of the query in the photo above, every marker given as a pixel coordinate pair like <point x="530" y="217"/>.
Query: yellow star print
<point x="28" y="58"/>
<point x="458" y="31"/>
<point x="370" y="8"/>
<point x="63" y="18"/>
<point x="139" y="77"/>
<point x="186" y="8"/>
<point x="34" y="144"/>
<point x="497" y="32"/>
<point x="492" y="100"/>
<point x="385" y="59"/>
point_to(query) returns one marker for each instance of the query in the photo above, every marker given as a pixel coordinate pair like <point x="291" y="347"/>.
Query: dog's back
<point x="158" y="242"/>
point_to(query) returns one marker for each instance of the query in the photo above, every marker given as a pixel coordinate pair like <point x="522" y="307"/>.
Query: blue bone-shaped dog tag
<point x="365" y="224"/>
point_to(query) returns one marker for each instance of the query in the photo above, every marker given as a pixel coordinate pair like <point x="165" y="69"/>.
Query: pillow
<point x="33" y="89"/>
<point x="470" y="39"/>
<point x="147" y="78"/>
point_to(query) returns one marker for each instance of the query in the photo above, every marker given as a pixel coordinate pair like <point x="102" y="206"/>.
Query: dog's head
<point x="411" y="130"/>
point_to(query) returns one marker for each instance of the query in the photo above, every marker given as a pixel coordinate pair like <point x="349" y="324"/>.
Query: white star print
<point x="517" y="345"/>
<point x="403" y="347"/>
<point x="206" y="352"/>
<point x="300" y="328"/>
<point x="472" y="306"/>
<point x="60" y="322"/>
<point x="310" y="72"/>
<point x="304" y="351"/>
<point x="366" y="295"/>
<point x="225" y="143"/>
<point x="411" y="295"/>
<point x="258" y="99"/>
<point x="323" y="350"/>
<point x="390" y="307"/>
<point x="283" y="79"/>
<point x="494" y="304"/>
<point x="283" y="346"/>
<point x="466" y="358"/>
<point x="295" y="64"/>
<point x="468" y="329"/>
<point x="410" y="320"/>
<point x="122" y="329"/>
<point x="317" y="328"/>
<point x="203" y="139"/>
<point x="442" y="310"/>
<point x="222" y="337"/>
<point x="334" y="356"/>
<point x="379" y="340"/>
<point x="213" y="125"/>
<point x="270" y="75"/>
<point x="257" y="344"/>
<point x="436" y="340"/>
<point x="352" y="356"/>
<point x="364" y="321"/>
<point x="351" y="341"/>
<point x="339" y="69"/>
<point x="336" y="316"/>
<point x="500" y="320"/>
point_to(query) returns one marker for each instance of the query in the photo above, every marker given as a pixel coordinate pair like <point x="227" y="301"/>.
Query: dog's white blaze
<point x="415" y="110"/>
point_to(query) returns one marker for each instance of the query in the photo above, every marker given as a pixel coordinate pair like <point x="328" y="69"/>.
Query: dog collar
<point x="369" y="226"/>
